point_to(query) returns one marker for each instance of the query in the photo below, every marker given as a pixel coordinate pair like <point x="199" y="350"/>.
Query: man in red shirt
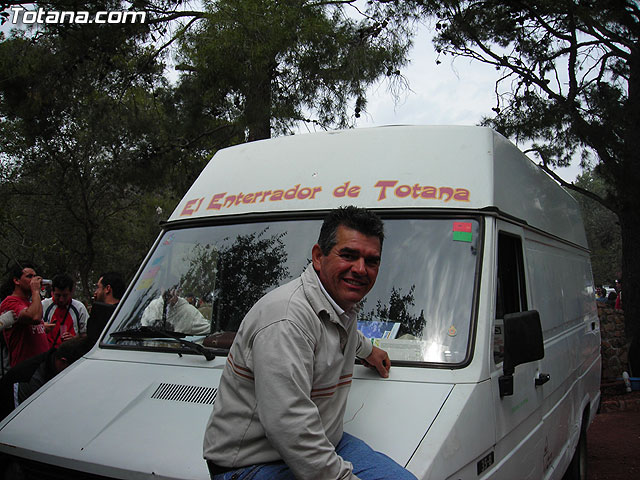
<point x="27" y="337"/>
<point x="64" y="317"/>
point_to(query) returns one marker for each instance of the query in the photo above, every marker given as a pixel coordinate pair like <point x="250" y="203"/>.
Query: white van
<point x="484" y="302"/>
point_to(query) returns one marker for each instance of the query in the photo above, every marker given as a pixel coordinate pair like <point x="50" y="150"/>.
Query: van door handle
<point x="542" y="378"/>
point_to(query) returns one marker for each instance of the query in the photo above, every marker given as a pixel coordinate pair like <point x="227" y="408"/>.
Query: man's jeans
<point x="367" y="465"/>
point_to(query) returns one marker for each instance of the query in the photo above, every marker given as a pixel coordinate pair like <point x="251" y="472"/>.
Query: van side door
<point x="519" y="442"/>
<point x="562" y="292"/>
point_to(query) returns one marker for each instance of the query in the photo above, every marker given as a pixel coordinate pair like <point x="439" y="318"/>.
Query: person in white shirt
<point x="172" y="312"/>
<point x="64" y="317"/>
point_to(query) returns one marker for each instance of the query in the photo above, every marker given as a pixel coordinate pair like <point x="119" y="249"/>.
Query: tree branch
<point x="176" y="36"/>
<point x="607" y="36"/>
<point x="164" y="17"/>
<point x="542" y="22"/>
<point x="322" y="3"/>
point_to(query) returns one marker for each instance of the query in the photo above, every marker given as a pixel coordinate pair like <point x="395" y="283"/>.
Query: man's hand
<point x="379" y="360"/>
<point x="36" y="285"/>
<point x="7" y="319"/>
<point x="66" y="336"/>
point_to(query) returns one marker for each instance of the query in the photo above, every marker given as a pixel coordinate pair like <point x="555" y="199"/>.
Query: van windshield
<point x="201" y="281"/>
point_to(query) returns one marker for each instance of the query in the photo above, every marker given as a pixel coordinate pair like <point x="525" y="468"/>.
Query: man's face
<point x="100" y="293"/>
<point x="24" y="282"/>
<point x="170" y="296"/>
<point x="61" y="297"/>
<point x="350" y="269"/>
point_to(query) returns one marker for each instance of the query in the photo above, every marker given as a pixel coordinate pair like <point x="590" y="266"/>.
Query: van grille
<point x="185" y="393"/>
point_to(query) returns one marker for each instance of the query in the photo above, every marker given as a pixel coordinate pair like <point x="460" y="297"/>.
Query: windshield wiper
<point x="146" y="332"/>
<point x="150" y="332"/>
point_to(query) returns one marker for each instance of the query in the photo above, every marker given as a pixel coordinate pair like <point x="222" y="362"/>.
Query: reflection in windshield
<point x="398" y="309"/>
<point x="247" y="269"/>
<point x="203" y="280"/>
<point x="173" y="313"/>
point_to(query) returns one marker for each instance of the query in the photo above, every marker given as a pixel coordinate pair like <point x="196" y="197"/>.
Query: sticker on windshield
<point x="145" y="284"/>
<point x="148" y="276"/>
<point x="462" y="232"/>
<point x="168" y="240"/>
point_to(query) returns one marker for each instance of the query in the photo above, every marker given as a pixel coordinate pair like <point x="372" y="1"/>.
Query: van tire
<point x="578" y="467"/>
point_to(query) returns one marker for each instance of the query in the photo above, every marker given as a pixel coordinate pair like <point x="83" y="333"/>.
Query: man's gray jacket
<point x="284" y="388"/>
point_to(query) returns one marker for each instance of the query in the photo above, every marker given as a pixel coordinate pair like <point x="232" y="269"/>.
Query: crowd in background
<point x="43" y="329"/>
<point x="612" y="297"/>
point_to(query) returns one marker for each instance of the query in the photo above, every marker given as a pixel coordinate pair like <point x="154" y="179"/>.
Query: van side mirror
<point x="523" y="343"/>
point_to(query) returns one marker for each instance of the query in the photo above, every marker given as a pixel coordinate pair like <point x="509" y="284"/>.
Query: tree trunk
<point x="629" y="200"/>
<point x="86" y="266"/>
<point x="630" y="222"/>
<point x="258" y="106"/>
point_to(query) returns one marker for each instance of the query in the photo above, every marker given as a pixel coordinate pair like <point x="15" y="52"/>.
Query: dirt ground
<point x="613" y="442"/>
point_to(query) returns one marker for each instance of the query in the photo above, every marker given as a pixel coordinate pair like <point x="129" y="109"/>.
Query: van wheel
<point x="578" y="467"/>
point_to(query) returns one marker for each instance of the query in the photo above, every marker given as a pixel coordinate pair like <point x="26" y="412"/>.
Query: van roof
<point x="421" y="167"/>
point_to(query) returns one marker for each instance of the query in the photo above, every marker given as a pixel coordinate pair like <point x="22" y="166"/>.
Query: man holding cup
<point x="26" y="338"/>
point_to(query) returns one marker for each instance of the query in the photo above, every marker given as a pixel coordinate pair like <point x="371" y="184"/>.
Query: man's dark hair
<point x="73" y="349"/>
<point x="359" y="219"/>
<point x="116" y="281"/>
<point x="62" y="281"/>
<point x="14" y="271"/>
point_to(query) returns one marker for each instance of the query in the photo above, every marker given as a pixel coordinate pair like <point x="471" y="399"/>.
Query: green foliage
<point x="94" y="139"/>
<point x="603" y="231"/>
<point x="264" y="64"/>
<point x="80" y="135"/>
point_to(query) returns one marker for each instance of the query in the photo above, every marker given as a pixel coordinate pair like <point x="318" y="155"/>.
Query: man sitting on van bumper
<point x="283" y="393"/>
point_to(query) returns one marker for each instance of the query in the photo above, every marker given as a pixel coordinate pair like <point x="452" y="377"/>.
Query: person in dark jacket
<point x="27" y="377"/>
